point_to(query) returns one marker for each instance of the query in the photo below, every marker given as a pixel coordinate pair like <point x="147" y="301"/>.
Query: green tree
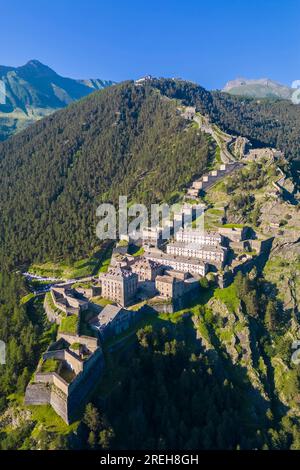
<point x="106" y="437"/>
<point x="91" y="417"/>
<point x="271" y="316"/>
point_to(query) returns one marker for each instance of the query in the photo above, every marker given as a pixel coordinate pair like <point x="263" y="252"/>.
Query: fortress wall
<point x="44" y="377"/>
<point x="91" y="343"/>
<point x="209" y="179"/>
<point x="50" y="313"/>
<point x="59" y="403"/>
<point x="65" y="399"/>
<point x="76" y="364"/>
<point x="59" y="354"/>
<point x="60" y="383"/>
<point x="92" y="368"/>
<point x="80" y="389"/>
<point x="57" y="304"/>
<point x="52" y="378"/>
<point x="37" y="394"/>
<point x="89" y="292"/>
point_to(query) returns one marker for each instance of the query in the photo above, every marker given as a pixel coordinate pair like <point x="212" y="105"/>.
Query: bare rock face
<point x="14" y="417"/>
<point x="233" y="335"/>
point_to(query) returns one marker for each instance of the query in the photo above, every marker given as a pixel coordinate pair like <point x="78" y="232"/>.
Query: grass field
<point x="50" y="365"/>
<point x="97" y="262"/>
<point x="69" y="325"/>
<point x="228" y="296"/>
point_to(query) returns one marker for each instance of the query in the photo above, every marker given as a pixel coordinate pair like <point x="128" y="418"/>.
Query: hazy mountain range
<point x="34" y="90"/>
<point x="258" y="88"/>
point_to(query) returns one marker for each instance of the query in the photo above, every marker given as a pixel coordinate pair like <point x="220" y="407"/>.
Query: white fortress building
<point x="199" y="236"/>
<point x="209" y="253"/>
<point x="178" y="263"/>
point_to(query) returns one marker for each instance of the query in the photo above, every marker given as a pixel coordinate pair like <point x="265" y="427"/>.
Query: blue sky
<point x="209" y="42"/>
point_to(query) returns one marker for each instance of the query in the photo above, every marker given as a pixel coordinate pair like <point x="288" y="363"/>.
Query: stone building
<point x="67" y="300"/>
<point x="146" y="269"/>
<point x="119" y="285"/>
<point x="152" y="236"/>
<point x="88" y="291"/>
<point x="178" y="263"/>
<point x="66" y="374"/>
<point x="209" y="253"/>
<point x="234" y="234"/>
<point x="113" y="320"/>
<point x="169" y="287"/>
<point x="189" y="113"/>
<point x="267" y="153"/>
<point x="185" y="214"/>
<point x="199" y="236"/>
<point x="212" y="178"/>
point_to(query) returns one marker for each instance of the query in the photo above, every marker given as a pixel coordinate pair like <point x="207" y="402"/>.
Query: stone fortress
<point x="163" y="276"/>
<point x="66" y="373"/>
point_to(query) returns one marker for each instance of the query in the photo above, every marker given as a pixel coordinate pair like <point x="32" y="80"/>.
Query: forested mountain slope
<point x="123" y="140"/>
<point x="126" y="139"/>
<point x="267" y="122"/>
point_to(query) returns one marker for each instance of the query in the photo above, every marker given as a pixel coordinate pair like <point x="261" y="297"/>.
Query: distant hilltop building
<point x="189" y="113"/>
<point x="142" y="80"/>
<point x="269" y="154"/>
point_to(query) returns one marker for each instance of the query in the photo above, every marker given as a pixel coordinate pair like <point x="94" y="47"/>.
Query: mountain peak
<point x="36" y="67"/>
<point x="258" y="88"/>
<point x="35" y="62"/>
<point x="34" y="90"/>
